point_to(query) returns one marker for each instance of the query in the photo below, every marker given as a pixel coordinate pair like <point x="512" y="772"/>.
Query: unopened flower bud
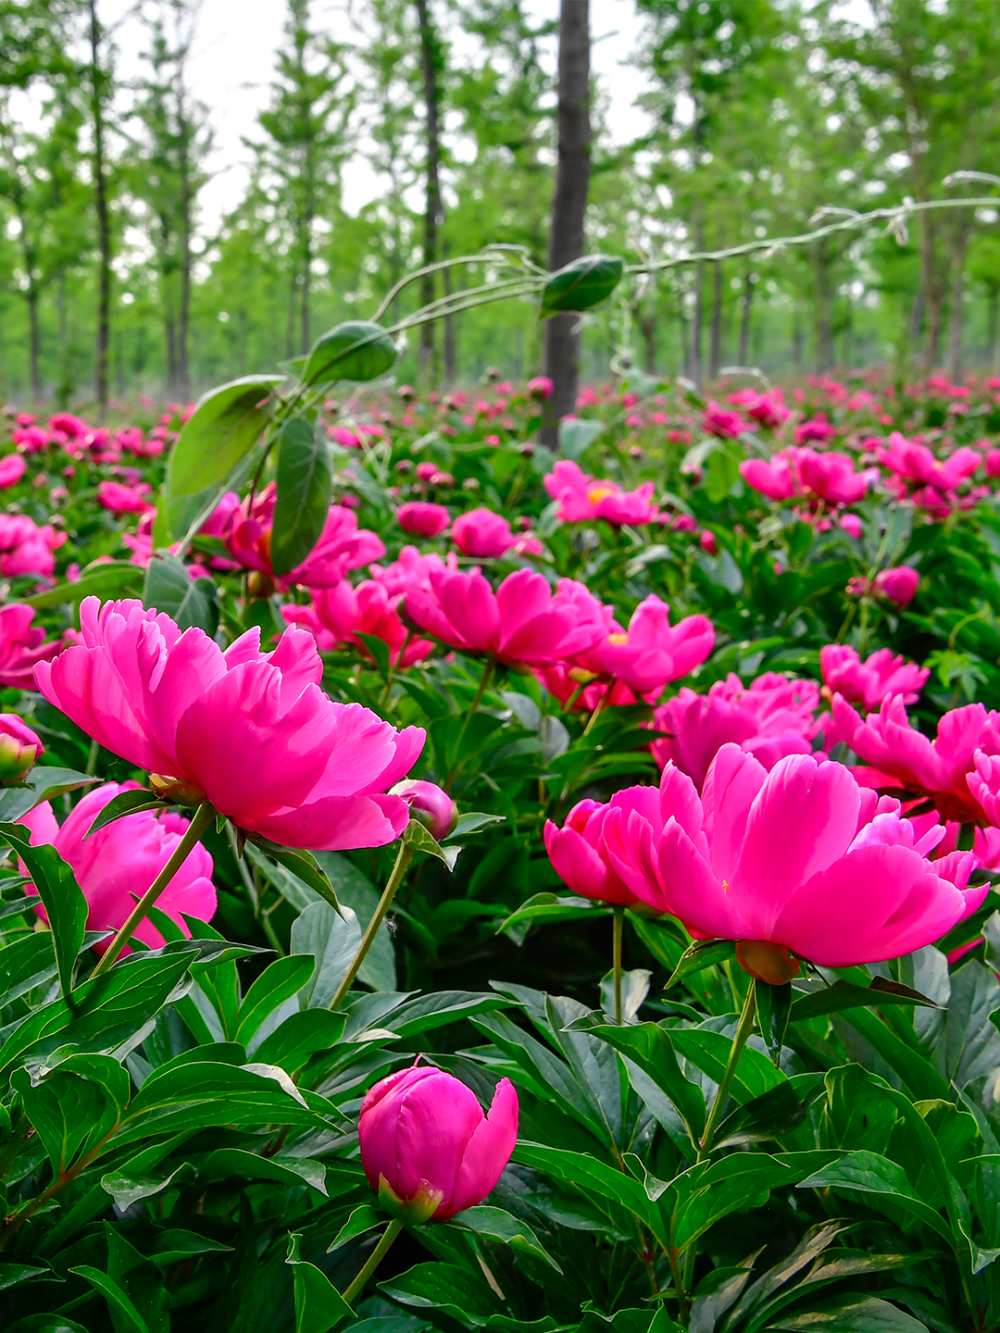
<point x="179" y="790"/>
<point x="19" y="748"/>
<point x="430" y="804"/>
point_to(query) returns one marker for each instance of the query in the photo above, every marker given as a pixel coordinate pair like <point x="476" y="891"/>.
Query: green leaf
<point x="421" y="839"/>
<point x="46" y="1323"/>
<point x="363" y="1218"/>
<point x="577" y="435"/>
<point x="471" y="822"/>
<point x="117" y="578"/>
<point x="648" y="1050"/>
<point x="846" y="995"/>
<point x="357" y="350"/>
<point x="127" y="1190"/>
<point x="226" y="1162"/>
<point x="41" y="784"/>
<point x="851" y="1314"/>
<point x="74" y="1106"/>
<point x="699" y="956"/>
<point x="61" y="897"/>
<point x="379" y="650"/>
<point x="170" y="588"/>
<point x="709" y="1051"/>
<point x="610" y="1189"/>
<point x="224" y="426"/>
<point x="125" y="803"/>
<point x="331" y="940"/>
<point x="543" y="908"/>
<point x="300" y="1036"/>
<point x="875" y="1175"/>
<point x="444" y="1288"/>
<point x="584" y="283"/>
<point x="497" y="1224"/>
<point x="118" y="1303"/>
<point x="284" y="978"/>
<point x="176" y="1246"/>
<point x="13" y="1274"/>
<point x="319" y="1306"/>
<point x="303" y="495"/>
<point x="302" y="864"/>
<point x="139" y="1279"/>
<point x="774" y="1004"/>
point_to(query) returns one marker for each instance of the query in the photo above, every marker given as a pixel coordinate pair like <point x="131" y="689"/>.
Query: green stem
<point x="618" y="918"/>
<point x="484" y="680"/>
<point x="403" y="858"/>
<point x="374" y="1259"/>
<point x="203" y="816"/>
<point x="600" y="705"/>
<point x="739" y="1041"/>
<point x="91" y="768"/>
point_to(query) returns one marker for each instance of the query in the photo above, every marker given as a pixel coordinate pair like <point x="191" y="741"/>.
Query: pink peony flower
<point x="430" y="804"/>
<point x="851" y="525"/>
<point x="831" y="477"/>
<point x="119" y="862"/>
<point x="338" y="614"/>
<point x="422" y="518"/>
<point x="521" y="622"/>
<point x="897" y="585"/>
<point x="652" y="652"/>
<point x="22" y="647"/>
<point x="540" y="387"/>
<point x="817" y="428"/>
<point x="770" y="718"/>
<point x="344" y="437"/>
<point x="119" y="499"/>
<point x="484" y="535"/>
<point x="426" y="1144"/>
<point x="252" y="733"/>
<point x="577" y="854"/>
<point x="799" y="861"/>
<point x="12" y="469"/>
<point x="777" y="479"/>
<point x="584" y="499"/>
<point x="412" y="570"/>
<point x="766" y="409"/>
<point x="902" y="756"/>
<point x="916" y="463"/>
<point x="868" y="683"/>
<point x="718" y="420"/>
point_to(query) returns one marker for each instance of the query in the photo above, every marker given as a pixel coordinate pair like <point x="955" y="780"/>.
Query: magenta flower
<point x="117" y="865"/>
<point x="584" y="499"/>
<point x="578" y="856"/>
<point x="523" y="621"/>
<point x="652" y="652"/>
<point x="903" y="756"/>
<point x="19" y="748"/>
<point x="777" y="479"/>
<point x="338" y="614"/>
<point x="26" y="548"/>
<point x="426" y="1143"/>
<point x="22" y="647"/>
<point x="831" y="477"/>
<point x="916" y="463"/>
<point x="770" y="718"/>
<point x="870" y="682"/>
<point x="484" y="535"/>
<point x="718" y="420"/>
<point x="816" y="428"/>
<point x="897" y="585"/>
<point x="119" y="499"/>
<point x="422" y="518"/>
<point x="799" y="861"/>
<point x="12" y="469"/>
<point x="766" y="409"/>
<point x="252" y="733"/>
<point x="412" y="570"/>
<point x="540" y="387"/>
<point x="430" y="804"/>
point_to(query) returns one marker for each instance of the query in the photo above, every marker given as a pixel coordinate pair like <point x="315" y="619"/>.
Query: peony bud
<point x="426" y="1145"/>
<point x="898" y="585"/>
<point x="430" y="804"/>
<point x="19" y="748"/>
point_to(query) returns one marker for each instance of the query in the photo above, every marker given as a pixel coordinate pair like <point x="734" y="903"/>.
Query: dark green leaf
<point x="319" y="1306"/>
<point x="576" y="435"/>
<point x="471" y="822"/>
<point x="302" y="864"/>
<point x="225" y="424"/>
<point x="61" y="896"/>
<point x="363" y="1218"/>
<point x="303" y="494"/>
<point x="584" y="283"/>
<point x="75" y="1105"/>
<point x="116" y="578"/>
<point x="869" y="1173"/>
<point x="46" y="1323"/>
<point x="125" y="803"/>
<point x="497" y="1224"/>
<point x="284" y="978"/>
<point x="774" y="1004"/>
<point x="226" y="1162"/>
<point x="357" y="350"/>
<point x="700" y="956"/>
<point x="421" y="839"/>
<point x="851" y="1314"/>
<point x="845" y="995"/>
<point x="170" y="588"/>
<point x="331" y="940"/>
<point x="119" y="1305"/>
<point x="648" y="1049"/>
<point x="379" y="651"/>
<point x="41" y="784"/>
<point x="542" y="908"/>
<point x="300" y="1036"/>
<point x="446" y="1288"/>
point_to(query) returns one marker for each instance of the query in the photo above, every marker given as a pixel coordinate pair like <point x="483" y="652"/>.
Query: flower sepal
<point x="414" y="1211"/>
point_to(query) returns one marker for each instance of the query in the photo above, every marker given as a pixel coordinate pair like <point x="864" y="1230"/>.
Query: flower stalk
<point x="403" y="858"/>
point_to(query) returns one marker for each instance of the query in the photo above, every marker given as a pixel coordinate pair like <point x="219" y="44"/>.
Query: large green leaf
<point x="584" y="283"/>
<point x="75" y="1106"/>
<point x="851" y="1314"/>
<point x="648" y="1052"/>
<point x="456" y="1292"/>
<point x="357" y="350"/>
<point x="116" y="578"/>
<point x="225" y="424"/>
<point x="170" y="588"/>
<point x="284" y="978"/>
<point x="332" y="941"/>
<point x="303" y="496"/>
<point x="870" y="1173"/>
<point x="62" y="897"/>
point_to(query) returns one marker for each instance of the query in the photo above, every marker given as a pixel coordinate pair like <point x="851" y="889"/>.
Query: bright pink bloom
<point x="252" y="733"/>
<point x="817" y="428"/>
<point x="521" y="622"/>
<point x="577" y="854"/>
<point x="583" y="499"/>
<point x="22" y="647"/>
<point x="770" y="718"/>
<point x="799" y="859"/>
<point x="12" y="469"/>
<point x="422" y="518"/>
<point x="119" y="863"/>
<point x="30" y="439"/>
<point x="27" y="549"/>
<point x="540" y="387"/>
<point x="344" y="437"/>
<point x="898" y="585"/>
<point x="19" y="748"/>
<point x="342" y="545"/>
<point x="916" y="463"/>
<point x="425" y="1140"/>
<point x="993" y="464"/>
<point x="430" y="804"/>
<point x="984" y="786"/>
<point x="484" y="535"/>
<point x="905" y="757"/>
<point x="412" y="570"/>
<point x="652" y="652"/>
<point x="718" y="420"/>
<point x="868" y="683"/>
<point x="831" y="477"/>
<point x="119" y="499"/>
<point x="338" y="614"/>
<point x="69" y="425"/>
<point x="851" y="525"/>
<point x="777" y="479"/>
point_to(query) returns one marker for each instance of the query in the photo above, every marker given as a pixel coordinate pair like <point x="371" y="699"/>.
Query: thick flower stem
<point x="203" y="816"/>
<point x="618" y="918"/>
<point x="403" y="858"/>
<point x="739" y="1041"/>
<point x="374" y="1259"/>
<point x="477" y="699"/>
<point x="598" y="708"/>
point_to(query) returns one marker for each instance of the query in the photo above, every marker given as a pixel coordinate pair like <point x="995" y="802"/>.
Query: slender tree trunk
<point x="569" y="205"/>
<point x="745" y="318"/>
<point x="450" y="328"/>
<point x="955" y="314"/>
<point x="699" y="313"/>
<point x="35" y="338"/>
<point x="992" y="309"/>
<point x="430" y="55"/>
<point x="290" y="320"/>
<point x="65" y="388"/>
<point x="823" y="296"/>
<point x="715" y="346"/>
<point x="103" y="219"/>
<point x="184" y="163"/>
<point x="797" y="340"/>
<point x="917" y="317"/>
<point x="646" y="319"/>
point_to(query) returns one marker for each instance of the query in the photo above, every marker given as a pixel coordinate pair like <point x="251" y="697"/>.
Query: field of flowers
<point x="454" y="884"/>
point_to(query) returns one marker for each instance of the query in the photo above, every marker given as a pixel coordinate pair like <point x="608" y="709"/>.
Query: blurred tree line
<point x="761" y="113"/>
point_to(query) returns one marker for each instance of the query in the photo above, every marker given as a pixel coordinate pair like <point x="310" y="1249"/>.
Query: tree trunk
<point x="430" y="55"/>
<point x="745" y="318"/>
<point x="184" y="163"/>
<point x="823" y="293"/>
<point x="35" y="336"/>
<point x="646" y="319"/>
<point x="715" y="346"/>
<point x="64" y="390"/>
<point x="103" y="220"/>
<point x="992" y="309"/>
<point x="797" y="340"/>
<point x="569" y="206"/>
<point x="450" y="328"/>
<point x="955" y="314"/>
<point x="699" y="310"/>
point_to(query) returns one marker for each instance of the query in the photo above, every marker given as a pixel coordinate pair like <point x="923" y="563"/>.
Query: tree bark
<point x="103" y="220"/>
<point x="184" y="163"/>
<point x="430" y="55"/>
<point x="955" y="314"/>
<point x="697" y="317"/>
<point x="35" y="336"/>
<point x="715" y="345"/>
<point x="745" y="318"/>
<point x="823" y="299"/>
<point x="569" y="206"/>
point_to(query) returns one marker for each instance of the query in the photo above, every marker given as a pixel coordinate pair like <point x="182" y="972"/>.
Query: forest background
<point x="759" y="116"/>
